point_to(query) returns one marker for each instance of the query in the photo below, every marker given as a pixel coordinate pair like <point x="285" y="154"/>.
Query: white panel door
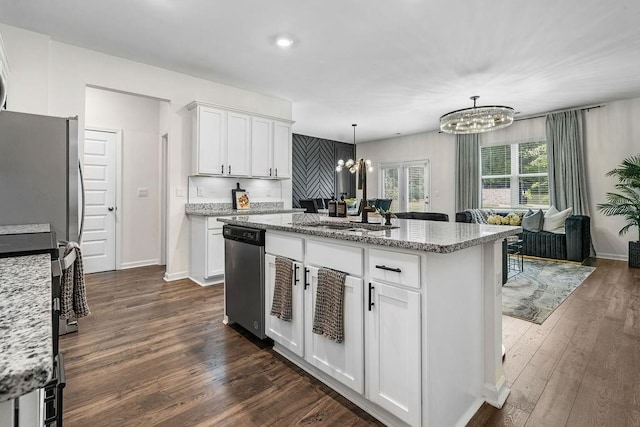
<point x="343" y="361"/>
<point x="99" y="236"/>
<point x="287" y="334"/>
<point x="261" y="147"/>
<point x="281" y="149"/>
<point x="393" y="351"/>
<point x="238" y="144"/>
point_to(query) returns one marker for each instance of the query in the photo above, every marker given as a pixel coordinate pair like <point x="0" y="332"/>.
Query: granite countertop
<point x="428" y="236"/>
<point x="25" y="324"/>
<point x="224" y="209"/>
<point x="25" y="228"/>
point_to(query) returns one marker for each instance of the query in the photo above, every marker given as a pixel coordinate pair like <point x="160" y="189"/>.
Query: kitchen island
<point x="422" y="312"/>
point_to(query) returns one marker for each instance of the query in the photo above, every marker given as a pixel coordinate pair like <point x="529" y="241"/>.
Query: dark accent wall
<point x="313" y="169"/>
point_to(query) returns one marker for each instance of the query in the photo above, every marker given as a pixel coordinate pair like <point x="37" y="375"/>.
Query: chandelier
<point x="477" y="119"/>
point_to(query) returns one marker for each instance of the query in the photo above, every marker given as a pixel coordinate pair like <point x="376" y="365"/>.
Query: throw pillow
<point x="532" y="221"/>
<point x="554" y="220"/>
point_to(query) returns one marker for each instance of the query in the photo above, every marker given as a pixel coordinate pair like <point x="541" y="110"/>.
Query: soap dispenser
<point x="333" y="206"/>
<point x="342" y="207"/>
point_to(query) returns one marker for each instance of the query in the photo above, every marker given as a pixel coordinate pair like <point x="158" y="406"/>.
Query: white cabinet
<point x="4" y="74"/>
<point x="270" y="148"/>
<point x="290" y="335"/>
<point x="238" y="144"/>
<point x="282" y="149"/>
<point x="207" y="251"/>
<point x="228" y="142"/>
<point x="393" y="351"/>
<point x="209" y="140"/>
<point x="343" y="361"/>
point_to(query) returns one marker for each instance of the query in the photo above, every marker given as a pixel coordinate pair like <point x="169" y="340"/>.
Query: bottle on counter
<point x="342" y="207"/>
<point x="333" y="206"/>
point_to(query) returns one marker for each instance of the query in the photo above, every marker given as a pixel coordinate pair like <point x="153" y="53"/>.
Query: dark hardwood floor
<point x="157" y="353"/>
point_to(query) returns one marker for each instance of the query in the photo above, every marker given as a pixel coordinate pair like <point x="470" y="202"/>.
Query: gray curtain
<point x="467" y="172"/>
<point x="565" y="154"/>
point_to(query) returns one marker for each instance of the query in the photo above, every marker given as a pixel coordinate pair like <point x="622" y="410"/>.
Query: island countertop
<point x="224" y="209"/>
<point x="25" y="325"/>
<point x="427" y="236"/>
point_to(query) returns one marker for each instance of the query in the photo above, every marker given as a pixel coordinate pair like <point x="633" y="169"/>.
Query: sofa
<point x="425" y="216"/>
<point x="573" y="245"/>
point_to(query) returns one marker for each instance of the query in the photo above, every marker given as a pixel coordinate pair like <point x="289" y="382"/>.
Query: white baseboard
<point x="616" y="257"/>
<point x="170" y="277"/>
<point x="208" y="282"/>
<point x="136" y="264"/>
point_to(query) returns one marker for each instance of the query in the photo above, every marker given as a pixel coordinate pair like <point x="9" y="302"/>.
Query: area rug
<point x="540" y="288"/>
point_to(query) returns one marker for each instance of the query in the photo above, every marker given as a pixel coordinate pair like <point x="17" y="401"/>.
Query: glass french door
<point x="407" y="185"/>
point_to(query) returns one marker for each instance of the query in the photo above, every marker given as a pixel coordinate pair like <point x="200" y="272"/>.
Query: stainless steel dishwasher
<point x="244" y="277"/>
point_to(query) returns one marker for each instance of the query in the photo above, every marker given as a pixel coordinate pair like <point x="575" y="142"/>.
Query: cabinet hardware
<point x="384" y="267"/>
<point x="371" y="303"/>
<point x="221" y="168"/>
<point x="270" y="171"/>
<point x="306" y="278"/>
<point x="295" y="275"/>
<point x="229" y="169"/>
<point x="276" y="171"/>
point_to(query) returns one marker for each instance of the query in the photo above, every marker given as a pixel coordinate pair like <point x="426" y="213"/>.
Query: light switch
<point x="143" y="192"/>
<point x="200" y="192"/>
<point x="178" y="191"/>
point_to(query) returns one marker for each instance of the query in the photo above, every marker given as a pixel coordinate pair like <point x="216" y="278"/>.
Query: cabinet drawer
<point x="395" y="267"/>
<point x="284" y="245"/>
<point x="213" y="223"/>
<point x="347" y="259"/>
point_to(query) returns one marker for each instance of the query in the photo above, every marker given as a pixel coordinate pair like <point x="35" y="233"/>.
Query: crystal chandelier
<point x="477" y="119"/>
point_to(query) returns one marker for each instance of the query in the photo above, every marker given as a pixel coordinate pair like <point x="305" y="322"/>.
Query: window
<point x="407" y="185"/>
<point x="515" y="176"/>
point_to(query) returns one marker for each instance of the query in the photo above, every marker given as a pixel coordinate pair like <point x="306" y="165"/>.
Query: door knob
<point x="110" y="208"/>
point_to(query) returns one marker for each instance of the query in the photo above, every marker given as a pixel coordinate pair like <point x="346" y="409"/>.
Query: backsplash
<point x="205" y="189"/>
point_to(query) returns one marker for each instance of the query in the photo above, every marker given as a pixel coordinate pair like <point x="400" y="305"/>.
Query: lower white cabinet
<point x="393" y="351"/>
<point x="288" y="334"/>
<point x="30" y="414"/>
<point x="343" y="361"/>
<point x="207" y="251"/>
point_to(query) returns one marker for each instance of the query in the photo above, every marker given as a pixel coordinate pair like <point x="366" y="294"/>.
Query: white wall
<point x="612" y="133"/>
<point x="438" y="148"/>
<point x="139" y="120"/>
<point x="72" y="69"/>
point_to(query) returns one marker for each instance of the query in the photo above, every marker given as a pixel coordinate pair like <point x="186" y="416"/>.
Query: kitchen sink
<point x="347" y="226"/>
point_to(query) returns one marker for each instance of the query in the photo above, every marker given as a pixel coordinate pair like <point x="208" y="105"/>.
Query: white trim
<point x="218" y="280"/>
<point x="197" y="103"/>
<point x="617" y="257"/>
<point x="164" y="197"/>
<point x="136" y="264"/>
<point x="170" y="277"/>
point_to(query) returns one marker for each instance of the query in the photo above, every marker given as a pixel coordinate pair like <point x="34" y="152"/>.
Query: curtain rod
<point x="560" y="111"/>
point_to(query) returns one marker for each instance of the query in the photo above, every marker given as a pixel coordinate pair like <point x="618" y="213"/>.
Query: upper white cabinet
<point x="229" y="142"/>
<point x="4" y="74"/>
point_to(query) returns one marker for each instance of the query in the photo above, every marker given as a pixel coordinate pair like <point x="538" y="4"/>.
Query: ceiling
<point x="392" y="66"/>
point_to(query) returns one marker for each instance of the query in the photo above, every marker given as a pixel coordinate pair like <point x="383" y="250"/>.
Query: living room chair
<point x="309" y="205"/>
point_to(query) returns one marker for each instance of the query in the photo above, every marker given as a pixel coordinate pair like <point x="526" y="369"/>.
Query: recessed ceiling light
<point x="284" y="41"/>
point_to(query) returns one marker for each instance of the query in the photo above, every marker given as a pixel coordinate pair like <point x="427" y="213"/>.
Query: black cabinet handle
<point x="371" y="303"/>
<point x="221" y="168"/>
<point x="384" y="267"/>
<point x="295" y="275"/>
<point x="229" y="169"/>
<point x="270" y="170"/>
<point x="306" y="278"/>
<point x="276" y="171"/>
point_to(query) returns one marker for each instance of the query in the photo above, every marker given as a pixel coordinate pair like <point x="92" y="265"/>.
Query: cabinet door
<point x="238" y="144"/>
<point x="281" y="149"/>
<point x="215" y="253"/>
<point x="261" y="147"/>
<point x="343" y="361"/>
<point x="209" y="128"/>
<point x="393" y="351"/>
<point x="287" y="334"/>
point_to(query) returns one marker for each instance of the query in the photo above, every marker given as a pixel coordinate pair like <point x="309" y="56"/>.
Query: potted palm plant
<point x="626" y="202"/>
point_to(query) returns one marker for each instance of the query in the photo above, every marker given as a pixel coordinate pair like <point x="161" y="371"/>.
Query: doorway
<point x="164" y="188"/>
<point x="100" y="182"/>
<point x="407" y="184"/>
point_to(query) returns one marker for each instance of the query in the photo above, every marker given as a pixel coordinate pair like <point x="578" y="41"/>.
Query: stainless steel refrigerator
<point x="40" y="177"/>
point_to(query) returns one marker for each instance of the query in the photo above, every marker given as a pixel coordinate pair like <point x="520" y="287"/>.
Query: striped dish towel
<point x="282" y="292"/>
<point x="73" y="303"/>
<point x="328" y="319"/>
